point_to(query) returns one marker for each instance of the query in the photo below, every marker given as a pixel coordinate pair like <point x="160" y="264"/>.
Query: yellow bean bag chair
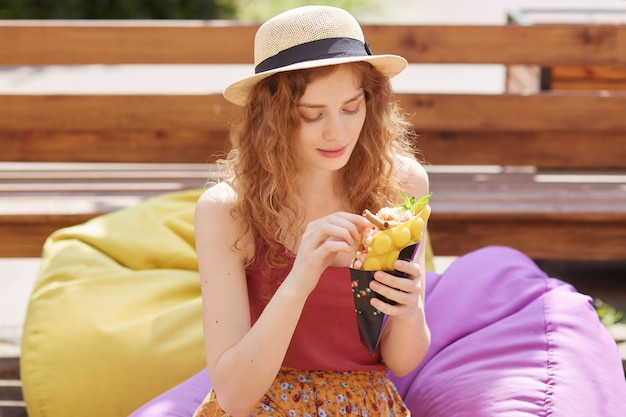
<point x="114" y="318"/>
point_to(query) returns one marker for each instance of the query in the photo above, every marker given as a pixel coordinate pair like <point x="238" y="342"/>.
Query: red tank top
<point x="327" y="335"/>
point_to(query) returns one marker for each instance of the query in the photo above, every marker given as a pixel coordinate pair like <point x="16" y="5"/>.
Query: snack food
<point x="396" y="232"/>
<point x="393" y="228"/>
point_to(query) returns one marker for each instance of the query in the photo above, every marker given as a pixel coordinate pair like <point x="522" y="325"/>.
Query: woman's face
<point x="332" y="110"/>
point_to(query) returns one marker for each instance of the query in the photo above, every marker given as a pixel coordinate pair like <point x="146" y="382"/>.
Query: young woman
<point x="320" y="140"/>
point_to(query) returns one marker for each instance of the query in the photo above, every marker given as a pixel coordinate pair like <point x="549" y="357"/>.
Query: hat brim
<point x="389" y="65"/>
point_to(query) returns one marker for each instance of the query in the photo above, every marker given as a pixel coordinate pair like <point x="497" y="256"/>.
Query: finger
<point x="322" y="255"/>
<point x="405" y="284"/>
<point x="321" y="229"/>
<point x="338" y="231"/>
<point x="386" y="308"/>
<point x="400" y="290"/>
<point x="342" y="225"/>
<point x="402" y="302"/>
<point x="359" y="222"/>
<point x="386" y="290"/>
<point x="411" y="269"/>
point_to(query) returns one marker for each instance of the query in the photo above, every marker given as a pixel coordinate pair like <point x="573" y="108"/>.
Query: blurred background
<point x="156" y="9"/>
<point x="392" y="11"/>
<point x="196" y="79"/>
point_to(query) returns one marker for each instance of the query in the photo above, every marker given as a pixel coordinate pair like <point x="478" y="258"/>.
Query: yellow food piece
<point x="417" y="227"/>
<point x="401" y="236"/>
<point x="391" y="257"/>
<point x="382" y="243"/>
<point x="387" y="244"/>
<point x="373" y="263"/>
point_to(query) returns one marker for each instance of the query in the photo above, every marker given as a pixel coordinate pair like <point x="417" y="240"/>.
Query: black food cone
<point x="369" y="319"/>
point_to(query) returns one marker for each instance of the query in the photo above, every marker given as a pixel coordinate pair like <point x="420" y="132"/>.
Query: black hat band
<point x="314" y="50"/>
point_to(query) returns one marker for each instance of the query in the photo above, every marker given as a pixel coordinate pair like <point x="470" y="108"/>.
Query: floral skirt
<point x="297" y="393"/>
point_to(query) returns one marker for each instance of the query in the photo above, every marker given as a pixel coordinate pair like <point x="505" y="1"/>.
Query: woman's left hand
<point x="406" y="292"/>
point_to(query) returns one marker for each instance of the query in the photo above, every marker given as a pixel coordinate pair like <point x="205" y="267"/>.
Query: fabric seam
<point x="548" y="402"/>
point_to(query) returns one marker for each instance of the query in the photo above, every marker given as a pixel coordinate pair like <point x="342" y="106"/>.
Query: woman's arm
<point x="406" y="336"/>
<point x="243" y="359"/>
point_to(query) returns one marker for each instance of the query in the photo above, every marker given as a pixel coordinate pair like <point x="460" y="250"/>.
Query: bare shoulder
<point x="213" y="217"/>
<point x="218" y="197"/>
<point x="412" y="175"/>
<point x="213" y="206"/>
<point x="216" y="229"/>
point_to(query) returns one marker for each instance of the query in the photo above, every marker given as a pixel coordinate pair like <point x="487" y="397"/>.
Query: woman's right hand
<point x="321" y="241"/>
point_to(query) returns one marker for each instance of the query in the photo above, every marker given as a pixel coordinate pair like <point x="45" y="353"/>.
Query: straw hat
<point x="308" y="37"/>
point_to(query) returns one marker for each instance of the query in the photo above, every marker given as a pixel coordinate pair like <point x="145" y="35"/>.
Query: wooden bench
<point x="546" y="170"/>
<point x="543" y="172"/>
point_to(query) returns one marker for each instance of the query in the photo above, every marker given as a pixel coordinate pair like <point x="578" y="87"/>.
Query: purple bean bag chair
<point x="506" y="341"/>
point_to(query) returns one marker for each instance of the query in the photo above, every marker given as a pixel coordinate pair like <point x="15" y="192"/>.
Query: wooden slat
<point x="556" y="239"/>
<point x="554" y="150"/>
<point x="10" y="390"/>
<point x="97" y="42"/>
<point x="29" y="232"/>
<point x="527" y="191"/>
<point x="113" y="112"/>
<point x="588" y="77"/>
<point x="579" y="149"/>
<point x="13" y="409"/>
<point x="541" y="112"/>
<point x="589" y="85"/>
<point x="10" y="367"/>
<point x="124" y="145"/>
<point x="451" y="112"/>
<point x="588" y="72"/>
<point x="528" y="45"/>
<point x="550" y="131"/>
<point x="117" y="42"/>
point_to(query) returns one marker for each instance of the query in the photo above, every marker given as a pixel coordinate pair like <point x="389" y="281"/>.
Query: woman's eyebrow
<point x="317" y="106"/>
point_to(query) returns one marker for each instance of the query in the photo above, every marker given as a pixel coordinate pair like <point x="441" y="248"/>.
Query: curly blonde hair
<point x="266" y="170"/>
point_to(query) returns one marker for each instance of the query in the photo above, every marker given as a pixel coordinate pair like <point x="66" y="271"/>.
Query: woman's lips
<point x="333" y="153"/>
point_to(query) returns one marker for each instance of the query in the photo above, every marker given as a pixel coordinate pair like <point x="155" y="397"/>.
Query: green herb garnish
<point x="409" y="203"/>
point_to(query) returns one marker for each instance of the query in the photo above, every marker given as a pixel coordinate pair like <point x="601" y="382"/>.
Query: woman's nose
<point x="334" y="128"/>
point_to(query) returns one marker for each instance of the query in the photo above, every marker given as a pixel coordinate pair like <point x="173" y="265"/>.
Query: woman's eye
<point x="314" y="117"/>
<point x="310" y="119"/>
